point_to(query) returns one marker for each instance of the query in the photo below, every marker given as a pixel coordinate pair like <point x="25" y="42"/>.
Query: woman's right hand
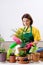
<point x="29" y="45"/>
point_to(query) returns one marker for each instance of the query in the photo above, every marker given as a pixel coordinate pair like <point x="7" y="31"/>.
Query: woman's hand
<point x="29" y="45"/>
<point x="35" y="42"/>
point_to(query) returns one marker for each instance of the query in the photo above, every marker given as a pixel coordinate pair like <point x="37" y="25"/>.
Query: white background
<point x="11" y="12"/>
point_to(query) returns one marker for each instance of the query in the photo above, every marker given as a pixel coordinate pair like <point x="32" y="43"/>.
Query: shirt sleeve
<point x="37" y="35"/>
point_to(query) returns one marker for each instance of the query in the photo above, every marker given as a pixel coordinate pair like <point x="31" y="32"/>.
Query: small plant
<point x="22" y="53"/>
<point x="21" y="37"/>
<point x="1" y="39"/>
<point x="2" y="50"/>
<point x="12" y="54"/>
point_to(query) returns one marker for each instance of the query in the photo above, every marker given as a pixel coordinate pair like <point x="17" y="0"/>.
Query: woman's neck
<point x="27" y="26"/>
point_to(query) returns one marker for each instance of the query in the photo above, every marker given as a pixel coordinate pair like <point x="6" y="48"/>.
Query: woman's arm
<point x="37" y="37"/>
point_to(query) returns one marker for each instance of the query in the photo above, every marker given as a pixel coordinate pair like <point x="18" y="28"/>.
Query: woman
<point x="28" y="28"/>
<point x="30" y="33"/>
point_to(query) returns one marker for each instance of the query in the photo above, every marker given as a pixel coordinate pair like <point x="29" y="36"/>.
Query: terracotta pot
<point x="23" y="49"/>
<point x="12" y="59"/>
<point x="35" y="57"/>
<point x="41" y="54"/>
<point x="41" y="59"/>
<point x="23" y="60"/>
<point x="3" y="56"/>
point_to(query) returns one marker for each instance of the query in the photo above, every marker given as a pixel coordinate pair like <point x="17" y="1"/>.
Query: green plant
<point x="20" y="36"/>
<point x="22" y="53"/>
<point x="1" y="39"/>
<point x="11" y="54"/>
<point x="2" y="50"/>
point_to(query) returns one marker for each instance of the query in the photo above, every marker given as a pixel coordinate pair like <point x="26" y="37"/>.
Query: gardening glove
<point x="29" y="45"/>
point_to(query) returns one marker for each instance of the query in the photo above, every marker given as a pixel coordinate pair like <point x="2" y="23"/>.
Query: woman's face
<point x="26" y="22"/>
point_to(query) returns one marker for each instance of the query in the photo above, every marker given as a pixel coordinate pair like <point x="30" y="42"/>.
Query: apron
<point x="28" y="37"/>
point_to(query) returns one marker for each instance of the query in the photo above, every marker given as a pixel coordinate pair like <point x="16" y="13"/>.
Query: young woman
<point x="33" y="33"/>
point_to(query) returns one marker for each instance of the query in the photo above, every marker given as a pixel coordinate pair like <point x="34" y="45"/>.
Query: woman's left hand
<point x="35" y="42"/>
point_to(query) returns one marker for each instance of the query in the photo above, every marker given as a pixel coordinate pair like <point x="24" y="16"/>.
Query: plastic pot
<point x="3" y="56"/>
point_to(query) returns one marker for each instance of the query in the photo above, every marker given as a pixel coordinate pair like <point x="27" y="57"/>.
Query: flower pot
<point x="41" y="54"/>
<point x="12" y="59"/>
<point x="41" y="59"/>
<point x="22" y="49"/>
<point x="3" y="56"/>
<point x="35" y="57"/>
<point x="23" y="60"/>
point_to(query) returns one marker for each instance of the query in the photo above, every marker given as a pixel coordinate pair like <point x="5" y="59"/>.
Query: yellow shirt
<point x="35" y="33"/>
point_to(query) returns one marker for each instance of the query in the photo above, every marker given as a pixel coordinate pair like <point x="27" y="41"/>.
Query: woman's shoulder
<point x="35" y="28"/>
<point x="20" y="29"/>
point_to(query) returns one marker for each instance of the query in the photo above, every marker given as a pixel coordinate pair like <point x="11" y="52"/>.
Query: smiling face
<point x="26" y="22"/>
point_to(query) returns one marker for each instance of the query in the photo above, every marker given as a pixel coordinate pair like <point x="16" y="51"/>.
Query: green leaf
<point x="22" y="53"/>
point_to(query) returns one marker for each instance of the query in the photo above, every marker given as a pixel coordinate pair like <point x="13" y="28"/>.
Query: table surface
<point x="7" y="63"/>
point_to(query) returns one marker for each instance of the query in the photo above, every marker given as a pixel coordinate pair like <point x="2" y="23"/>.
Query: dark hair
<point x="28" y="17"/>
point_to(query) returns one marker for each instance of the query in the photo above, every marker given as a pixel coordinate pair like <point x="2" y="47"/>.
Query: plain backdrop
<point x="11" y="12"/>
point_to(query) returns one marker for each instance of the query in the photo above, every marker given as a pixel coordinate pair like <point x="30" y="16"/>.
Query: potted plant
<point x="3" y="55"/>
<point x="22" y="58"/>
<point x="12" y="58"/>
